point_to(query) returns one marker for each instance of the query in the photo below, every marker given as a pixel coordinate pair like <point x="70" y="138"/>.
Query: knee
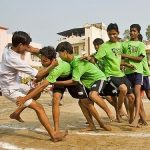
<point x="123" y="89"/>
<point x="92" y="95"/>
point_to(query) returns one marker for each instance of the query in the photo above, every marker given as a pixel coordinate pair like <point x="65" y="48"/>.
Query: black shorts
<point x="135" y="78"/>
<point x="117" y="81"/>
<point x="60" y="88"/>
<point x="109" y="90"/>
<point x="76" y="91"/>
<point x="98" y="86"/>
<point x="146" y="83"/>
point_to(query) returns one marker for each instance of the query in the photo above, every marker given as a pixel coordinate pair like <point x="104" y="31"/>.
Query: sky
<point x="43" y="19"/>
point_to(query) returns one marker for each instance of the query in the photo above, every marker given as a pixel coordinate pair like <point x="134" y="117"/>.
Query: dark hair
<point x="112" y="26"/>
<point x="137" y="26"/>
<point x="48" y="52"/>
<point x="64" y="46"/>
<point x="20" y="37"/>
<point x="140" y="37"/>
<point x="98" y="41"/>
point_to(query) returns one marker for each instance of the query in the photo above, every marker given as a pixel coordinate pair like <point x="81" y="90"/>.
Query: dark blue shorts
<point x="117" y="81"/>
<point x="135" y="79"/>
<point x="146" y="83"/>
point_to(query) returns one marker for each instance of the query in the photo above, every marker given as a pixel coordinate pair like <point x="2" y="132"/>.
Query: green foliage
<point x="126" y="35"/>
<point x="148" y="32"/>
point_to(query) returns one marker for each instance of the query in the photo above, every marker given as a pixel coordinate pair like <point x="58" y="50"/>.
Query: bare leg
<point x="88" y="116"/>
<point x="137" y="92"/>
<point x="113" y="101"/>
<point x="147" y="94"/>
<point x="90" y="106"/>
<point x="16" y="114"/>
<point x="131" y="99"/>
<point x="142" y="115"/>
<point x="126" y="104"/>
<point x="122" y="94"/>
<point x="56" y="136"/>
<point x="94" y="96"/>
<point x="55" y="109"/>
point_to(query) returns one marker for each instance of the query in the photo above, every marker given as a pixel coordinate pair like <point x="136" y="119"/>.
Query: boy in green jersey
<point x="134" y="53"/>
<point x="109" y="96"/>
<point x="110" y="52"/>
<point x="87" y="73"/>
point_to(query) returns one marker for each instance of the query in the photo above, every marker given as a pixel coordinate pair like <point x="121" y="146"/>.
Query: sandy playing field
<point x="30" y="135"/>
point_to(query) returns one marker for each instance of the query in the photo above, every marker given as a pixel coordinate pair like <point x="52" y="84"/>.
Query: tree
<point x="148" y="32"/>
<point x="126" y="35"/>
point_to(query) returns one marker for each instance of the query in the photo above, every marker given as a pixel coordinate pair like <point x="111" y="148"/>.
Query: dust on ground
<point x="30" y="135"/>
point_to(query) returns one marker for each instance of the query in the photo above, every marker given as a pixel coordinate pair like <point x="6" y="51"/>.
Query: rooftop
<point x="81" y="31"/>
<point x="75" y="31"/>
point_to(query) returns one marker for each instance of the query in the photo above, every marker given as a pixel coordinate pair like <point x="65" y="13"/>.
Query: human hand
<point x="54" y="63"/>
<point x="20" y="101"/>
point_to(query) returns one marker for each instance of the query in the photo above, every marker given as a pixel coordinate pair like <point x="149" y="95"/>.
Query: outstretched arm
<point x="33" y="50"/>
<point x="32" y="94"/>
<point x="67" y="82"/>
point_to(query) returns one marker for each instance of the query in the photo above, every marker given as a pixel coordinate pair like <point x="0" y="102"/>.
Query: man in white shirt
<point x="12" y="89"/>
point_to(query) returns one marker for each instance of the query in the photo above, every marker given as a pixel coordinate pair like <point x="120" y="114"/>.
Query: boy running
<point x="12" y="89"/>
<point x="133" y="53"/>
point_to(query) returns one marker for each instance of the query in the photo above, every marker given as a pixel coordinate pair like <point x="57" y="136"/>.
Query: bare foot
<point x="135" y="123"/>
<point x="118" y="117"/>
<point x="16" y="116"/>
<point x="89" y="128"/>
<point x="143" y="122"/>
<point x="106" y="127"/>
<point x="130" y="120"/>
<point x="59" y="136"/>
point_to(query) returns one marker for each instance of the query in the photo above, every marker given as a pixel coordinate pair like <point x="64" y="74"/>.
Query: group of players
<point x="118" y="72"/>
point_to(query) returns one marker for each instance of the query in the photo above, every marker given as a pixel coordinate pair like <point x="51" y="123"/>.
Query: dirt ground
<point x="30" y="135"/>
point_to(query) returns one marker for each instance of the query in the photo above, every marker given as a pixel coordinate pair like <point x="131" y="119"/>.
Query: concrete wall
<point x="86" y="42"/>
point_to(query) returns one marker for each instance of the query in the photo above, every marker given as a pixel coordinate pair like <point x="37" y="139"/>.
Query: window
<point x="76" y="50"/>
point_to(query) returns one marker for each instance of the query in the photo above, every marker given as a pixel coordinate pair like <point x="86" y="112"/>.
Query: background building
<point x="82" y="38"/>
